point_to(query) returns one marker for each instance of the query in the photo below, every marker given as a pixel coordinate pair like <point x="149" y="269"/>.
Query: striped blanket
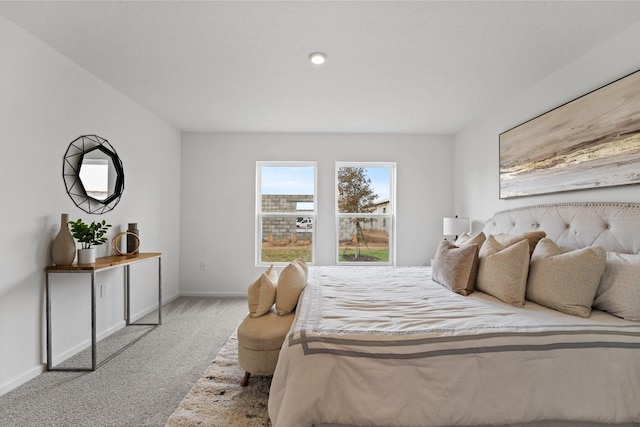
<point x="387" y="346"/>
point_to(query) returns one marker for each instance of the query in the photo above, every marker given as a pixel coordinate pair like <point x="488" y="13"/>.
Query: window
<point x="94" y="174"/>
<point x="365" y="210"/>
<point x="285" y="211"/>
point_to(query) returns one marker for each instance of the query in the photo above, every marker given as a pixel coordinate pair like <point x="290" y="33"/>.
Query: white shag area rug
<point x="218" y="399"/>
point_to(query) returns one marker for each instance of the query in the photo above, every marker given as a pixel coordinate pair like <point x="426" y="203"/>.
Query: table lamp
<point x="455" y="226"/>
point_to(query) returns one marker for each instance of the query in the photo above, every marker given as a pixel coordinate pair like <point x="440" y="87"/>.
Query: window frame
<point x="259" y="214"/>
<point x="389" y="216"/>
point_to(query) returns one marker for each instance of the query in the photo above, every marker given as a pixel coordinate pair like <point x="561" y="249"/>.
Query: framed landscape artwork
<point x="590" y="142"/>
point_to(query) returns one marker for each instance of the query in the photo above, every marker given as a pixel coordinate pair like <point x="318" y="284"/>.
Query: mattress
<point x="387" y="346"/>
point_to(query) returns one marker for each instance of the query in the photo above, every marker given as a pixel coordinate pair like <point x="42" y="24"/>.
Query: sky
<point x="380" y="181"/>
<point x="299" y="180"/>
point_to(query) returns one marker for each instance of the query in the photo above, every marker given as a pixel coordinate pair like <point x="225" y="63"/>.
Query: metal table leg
<point x="94" y="350"/>
<point x="48" y="308"/>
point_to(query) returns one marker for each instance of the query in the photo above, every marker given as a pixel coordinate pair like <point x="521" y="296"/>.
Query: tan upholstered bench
<point x="262" y="332"/>
<point x="259" y="342"/>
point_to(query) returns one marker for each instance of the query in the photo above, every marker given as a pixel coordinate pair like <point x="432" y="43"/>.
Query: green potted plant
<point x="89" y="236"/>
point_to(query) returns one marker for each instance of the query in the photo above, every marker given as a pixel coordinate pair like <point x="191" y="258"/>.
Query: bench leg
<point x="245" y="380"/>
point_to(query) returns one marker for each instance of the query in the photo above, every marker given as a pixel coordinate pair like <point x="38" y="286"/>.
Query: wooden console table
<point x="102" y="264"/>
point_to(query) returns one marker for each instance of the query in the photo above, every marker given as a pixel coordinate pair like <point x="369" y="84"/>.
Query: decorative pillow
<point x="565" y="281"/>
<point x="502" y="271"/>
<point x="262" y="293"/>
<point x="303" y="264"/>
<point x="619" y="289"/>
<point x="455" y="267"/>
<point x="532" y="236"/>
<point x="467" y="239"/>
<point x="291" y="282"/>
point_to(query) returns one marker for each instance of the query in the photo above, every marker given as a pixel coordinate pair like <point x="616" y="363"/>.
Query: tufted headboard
<point x="614" y="226"/>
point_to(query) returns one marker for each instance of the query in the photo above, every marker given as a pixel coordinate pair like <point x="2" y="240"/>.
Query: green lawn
<point x="288" y="254"/>
<point x="366" y="255"/>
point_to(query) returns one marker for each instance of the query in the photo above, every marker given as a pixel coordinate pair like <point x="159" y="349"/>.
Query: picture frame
<point x="590" y="142"/>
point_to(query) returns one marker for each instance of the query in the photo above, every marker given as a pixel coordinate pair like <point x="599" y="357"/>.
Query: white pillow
<point x="565" y="281"/>
<point x="619" y="289"/>
<point x="291" y="282"/>
<point x="502" y="271"/>
<point x="262" y="293"/>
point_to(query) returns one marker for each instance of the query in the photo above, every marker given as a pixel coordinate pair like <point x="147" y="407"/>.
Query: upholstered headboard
<point x="614" y="226"/>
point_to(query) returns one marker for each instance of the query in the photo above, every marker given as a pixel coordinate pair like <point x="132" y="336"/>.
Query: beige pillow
<point x="467" y="239"/>
<point x="502" y="271"/>
<point x="455" y="267"/>
<point x="291" y="282"/>
<point x="619" y="289"/>
<point x="566" y="281"/>
<point x="262" y="293"/>
<point x="303" y="264"/>
<point x="533" y="237"/>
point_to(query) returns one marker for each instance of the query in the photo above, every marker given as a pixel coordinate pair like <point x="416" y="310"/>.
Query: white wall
<point x="476" y="147"/>
<point x="218" y="198"/>
<point x="180" y="195"/>
<point x="46" y="102"/>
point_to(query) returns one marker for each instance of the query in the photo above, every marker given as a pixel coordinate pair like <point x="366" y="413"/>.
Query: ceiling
<point x="392" y="66"/>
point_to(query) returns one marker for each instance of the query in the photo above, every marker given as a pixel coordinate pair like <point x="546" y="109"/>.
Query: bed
<point x="389" y="346"/>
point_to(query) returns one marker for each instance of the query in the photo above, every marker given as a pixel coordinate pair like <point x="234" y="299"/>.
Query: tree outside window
<point x="364" y="195"/>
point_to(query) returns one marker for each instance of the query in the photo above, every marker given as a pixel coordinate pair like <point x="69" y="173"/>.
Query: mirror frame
<point x="71" y="174"/>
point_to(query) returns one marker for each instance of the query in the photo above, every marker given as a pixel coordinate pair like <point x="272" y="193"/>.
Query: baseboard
<point x="37" y="370"/>
<point x="59" y="358"/>
<point x="214" y="294"/>
<point x="151" y="309"/>
<point x="86" y="344"/>
<point x="17" y="382"/>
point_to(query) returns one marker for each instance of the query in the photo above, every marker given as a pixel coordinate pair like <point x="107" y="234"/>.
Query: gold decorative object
<point x="115" y="243"/>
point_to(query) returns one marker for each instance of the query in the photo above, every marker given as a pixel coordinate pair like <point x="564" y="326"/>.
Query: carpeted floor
<point x="140" y="387"/>
<point x="218" y="399"/>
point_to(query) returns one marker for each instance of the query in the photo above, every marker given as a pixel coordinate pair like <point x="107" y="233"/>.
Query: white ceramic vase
<point x="86" y="256"/>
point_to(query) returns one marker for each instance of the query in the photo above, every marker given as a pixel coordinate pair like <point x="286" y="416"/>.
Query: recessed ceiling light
<point x="318" y="58"/>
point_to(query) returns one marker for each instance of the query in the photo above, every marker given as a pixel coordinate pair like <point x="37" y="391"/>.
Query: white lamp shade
<point x="454" y="226"/>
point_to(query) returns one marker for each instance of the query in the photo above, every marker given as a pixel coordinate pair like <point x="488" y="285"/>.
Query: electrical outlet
<point x="203" y="266"/>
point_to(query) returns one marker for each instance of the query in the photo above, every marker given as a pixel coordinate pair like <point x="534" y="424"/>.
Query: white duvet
<point x="386" y="346"/>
